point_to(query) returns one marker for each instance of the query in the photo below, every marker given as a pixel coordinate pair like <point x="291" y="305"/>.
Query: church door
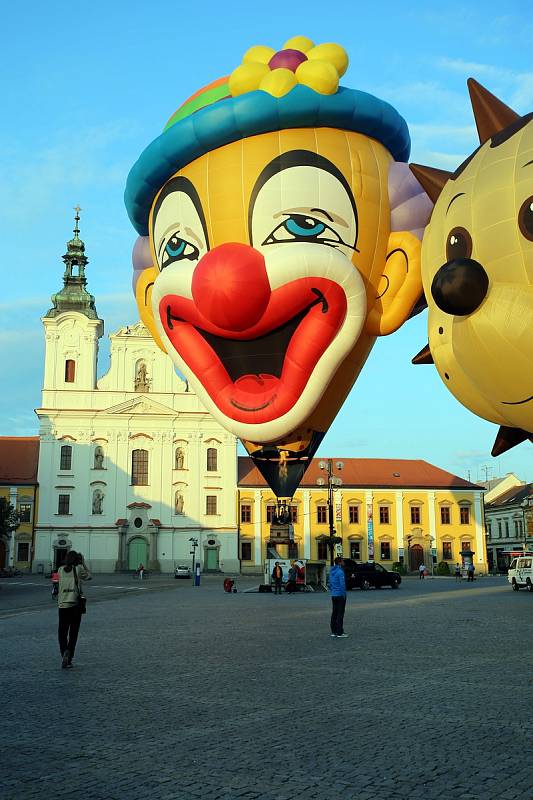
<point x="211" y="560"/>
<point x="416" y="557"/>
<point x="137" y="553"/>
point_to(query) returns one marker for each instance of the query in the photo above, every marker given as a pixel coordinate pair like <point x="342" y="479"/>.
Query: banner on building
<point x="370" y="529"/>
<point x="338" y="511"/>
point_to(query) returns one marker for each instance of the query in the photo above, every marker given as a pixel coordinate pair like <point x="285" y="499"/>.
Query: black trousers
<point x="338" y="605"/>
<point x="69" y="626"/>
<point x="277" y="585"/>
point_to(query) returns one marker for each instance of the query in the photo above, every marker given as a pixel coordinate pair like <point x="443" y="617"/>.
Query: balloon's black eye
<point x="525" y="218"/>
<point x="458" y="244"/>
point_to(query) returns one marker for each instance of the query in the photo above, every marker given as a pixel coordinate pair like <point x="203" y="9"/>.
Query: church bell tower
<point x="72" y="326"/>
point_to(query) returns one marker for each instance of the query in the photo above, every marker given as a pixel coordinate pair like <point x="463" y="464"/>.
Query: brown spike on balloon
<point x="491" y="114"/>
<point x="431" y="179"/>
<point x="423" y="357"/>
<point x="507" y="438"/>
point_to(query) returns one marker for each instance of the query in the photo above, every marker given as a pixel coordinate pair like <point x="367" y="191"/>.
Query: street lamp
<point x="194" y="545"/>
<point x="334" y="482"/>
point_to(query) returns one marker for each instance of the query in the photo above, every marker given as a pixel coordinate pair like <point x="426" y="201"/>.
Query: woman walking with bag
<point x="71" y="604"/>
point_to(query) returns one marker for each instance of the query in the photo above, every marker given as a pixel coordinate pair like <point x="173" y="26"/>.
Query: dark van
<point x="364" y="575"/>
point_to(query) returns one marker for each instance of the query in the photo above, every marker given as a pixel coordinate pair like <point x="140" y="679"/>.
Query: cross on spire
<point x="77" y="209"/>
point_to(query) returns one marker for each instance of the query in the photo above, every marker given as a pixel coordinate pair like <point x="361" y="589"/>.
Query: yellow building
<point x="387" y="510"/>
<point x="19" y="457"/>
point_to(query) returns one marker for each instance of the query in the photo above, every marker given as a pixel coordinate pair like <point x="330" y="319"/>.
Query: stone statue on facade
<point x="98" y="501"/>
<point x="180" y="458"/>
<point x="142" y="381"/>
<point x="98" y="458"/>
<point x="179" y="503"/>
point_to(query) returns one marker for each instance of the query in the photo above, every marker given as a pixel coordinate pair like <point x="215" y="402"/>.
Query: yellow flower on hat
<point x="299" y="61"/>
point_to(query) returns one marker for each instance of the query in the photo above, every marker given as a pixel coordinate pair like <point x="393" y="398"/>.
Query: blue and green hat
<point x="295" y="87"/>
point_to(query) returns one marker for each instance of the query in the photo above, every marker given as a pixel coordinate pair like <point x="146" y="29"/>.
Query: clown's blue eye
<point x="175" y="247"/>
<point x="303" y="228"/>
<point x="178" y="249"/>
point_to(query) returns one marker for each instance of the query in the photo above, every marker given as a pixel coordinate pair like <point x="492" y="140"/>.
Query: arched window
<point x="66" y="457"/>
<point x="70" y="370"/>
<point x="211" y="459"/>
<point x="139" y="468"/>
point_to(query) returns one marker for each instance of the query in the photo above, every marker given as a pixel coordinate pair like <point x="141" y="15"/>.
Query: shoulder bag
<point x="82" y="601"/>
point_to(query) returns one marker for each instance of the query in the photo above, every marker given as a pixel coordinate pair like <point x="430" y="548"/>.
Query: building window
<point x="445" y="516"/>
<point x="354" y="515"/>
<point x="355" y="551"/>
<point x="506" y="523"/>
<point x="321" y="515"/>
<point x="70" y="370"/>
<point x="63" y="505"/>
<point x="139" y="468"/>
<point x="518" y="528"/>
<point x="322" y="550"/>
<point x="246" y="513"/>
<point x="465" y="546"/>
<point x="66" y="457"/>
<point x="499" y="529"/>
<point x="415" y="515"/>
<point x="293" y="550"/>
<point x="465" y="515"/>
<point x="447" y="551"/>
<point x="271" y="513"/>
<point x="211" y="459"/>
<point x="293" y="511"/>
<point x="489" y="530"/>
<point x="246" y="551"/>
<point x="23" y="551"/>
<point x="25" y="512"/>
<point x="384" y="515"/>
<point x="385" y="551"/>
<point x="211" y="504"/>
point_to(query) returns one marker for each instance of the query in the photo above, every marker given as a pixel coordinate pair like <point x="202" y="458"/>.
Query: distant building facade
<point x="19" y="456"/>
<point x="131" y="465"/>
<point x="389" y="511"/>
<point x="509" y="521"/>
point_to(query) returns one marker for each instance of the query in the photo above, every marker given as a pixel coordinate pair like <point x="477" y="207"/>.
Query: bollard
<point x="197" y="574"/>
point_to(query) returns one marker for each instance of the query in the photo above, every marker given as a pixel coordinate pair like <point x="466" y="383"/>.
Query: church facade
<point x="132" y="468"/>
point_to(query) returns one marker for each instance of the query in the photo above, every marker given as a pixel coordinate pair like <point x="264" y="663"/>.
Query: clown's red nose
<point x="230" y="286"/>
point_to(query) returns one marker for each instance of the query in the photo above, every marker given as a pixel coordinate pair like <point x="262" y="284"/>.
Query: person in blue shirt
<point x="337" y="588"/>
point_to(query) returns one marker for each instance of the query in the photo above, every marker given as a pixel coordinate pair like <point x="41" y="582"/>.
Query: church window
<point x="211" y="504"/>
<point x="271" y="512"/>
<point x="66" y="457"/>
<point x="447" y="551"/>
<point x="415" y="515"/>
<point x="465" y="515"/>
<point x="322" y="549"/>
<point x="445" y="516"/>
<point x="63" y="504"/>
<point x="25" y="512"/>
<point x="354" y="515"/>
<point x="23" y="551"/>
<point x="385" y="552"/>
<point x="321" y="513"/>
<point x="70" y="370"/>
<point x="246" y="512"/>
<point x="212" y="459"/>
<point x="139" y="468"/>
<point x="384" y="515"/>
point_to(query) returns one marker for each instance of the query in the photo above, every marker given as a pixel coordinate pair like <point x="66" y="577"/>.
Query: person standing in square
<point x="337" y="588"/>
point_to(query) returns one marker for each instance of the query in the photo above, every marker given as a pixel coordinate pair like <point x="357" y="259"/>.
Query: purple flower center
<point x="288" y="59"/>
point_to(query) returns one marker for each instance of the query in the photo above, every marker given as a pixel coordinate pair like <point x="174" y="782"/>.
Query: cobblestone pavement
<point x="184" y="693"/>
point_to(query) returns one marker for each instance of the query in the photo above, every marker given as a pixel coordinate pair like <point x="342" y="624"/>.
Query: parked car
<point x="182" y="571"/>
<point x="521" y="573"/>
<point x="364" y="575"/>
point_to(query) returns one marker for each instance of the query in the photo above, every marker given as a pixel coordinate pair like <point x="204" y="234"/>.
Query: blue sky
<point x="85" y="87"/>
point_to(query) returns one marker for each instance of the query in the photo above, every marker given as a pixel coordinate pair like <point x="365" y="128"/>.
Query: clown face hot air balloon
<point x="477" y="265"/>
<point x="279" y="236"/>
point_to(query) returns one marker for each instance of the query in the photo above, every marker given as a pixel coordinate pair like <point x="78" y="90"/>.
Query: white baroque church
<point x="131" y="466"/>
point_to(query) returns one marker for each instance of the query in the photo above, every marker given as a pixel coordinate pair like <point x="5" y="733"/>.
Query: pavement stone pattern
<point x="182" y="693"/>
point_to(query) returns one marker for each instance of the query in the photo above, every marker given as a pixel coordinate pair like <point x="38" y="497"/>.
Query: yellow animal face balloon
<point x="477" y="267"/>
<point x="279" y="238"/>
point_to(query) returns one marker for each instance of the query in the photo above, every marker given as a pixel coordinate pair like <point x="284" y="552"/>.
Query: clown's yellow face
<point x="272" y="276"/>
<point x="477" y="268"/>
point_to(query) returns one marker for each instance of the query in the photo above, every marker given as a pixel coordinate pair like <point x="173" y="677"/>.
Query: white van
<point x="521" y="573"/>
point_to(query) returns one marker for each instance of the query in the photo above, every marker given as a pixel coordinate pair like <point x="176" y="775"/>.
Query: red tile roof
<point x="369" y="473"/>
<point x="19" y="458"/>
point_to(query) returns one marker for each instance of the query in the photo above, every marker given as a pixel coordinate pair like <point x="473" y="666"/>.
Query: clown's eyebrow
<point x="176" y="229"/>
<point x="331" y="216"/>
<point x="528" y="163"/>
<point x="461" y="194"/>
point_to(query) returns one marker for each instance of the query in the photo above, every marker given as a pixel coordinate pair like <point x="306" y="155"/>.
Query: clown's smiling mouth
<point x="263" y="355"/>
<point x="258" y="375"/>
